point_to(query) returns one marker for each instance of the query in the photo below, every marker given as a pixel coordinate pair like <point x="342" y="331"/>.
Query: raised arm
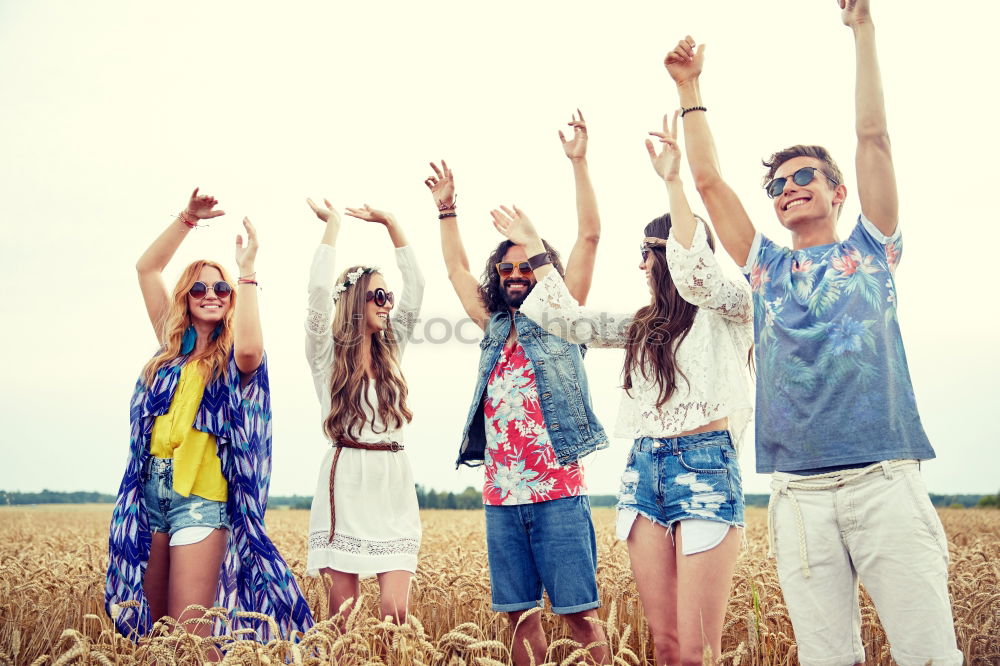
<point x="407" y="310"/>
<point x="728" y="216"/>
<point x="319" y="315"/>
<point x="442" y="187"/>
<point x="248" y="338"/>
<point x="667" y="165"/>
<point x="152" y="262"/>
<point x="550" y="304"/>
<point x="330" y="219"/>
<point x="693" y="267"/>
<point x="387" y="220"/>
<point x="580" y="266"/>
<point x="873" y="161"/>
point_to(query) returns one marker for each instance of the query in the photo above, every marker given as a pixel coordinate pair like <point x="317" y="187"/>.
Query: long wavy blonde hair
<point x="349" y="376"/>
<point x="178" y="319"/>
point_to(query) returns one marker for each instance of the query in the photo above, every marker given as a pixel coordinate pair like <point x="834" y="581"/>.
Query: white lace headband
<point x="352" y="279"/>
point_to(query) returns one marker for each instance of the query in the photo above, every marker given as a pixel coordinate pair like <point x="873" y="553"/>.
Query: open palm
<point x="442" y="186"/>
<point x="514" y="224"/>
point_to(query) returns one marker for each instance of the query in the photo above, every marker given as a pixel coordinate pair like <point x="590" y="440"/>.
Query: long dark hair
<point x="658" y="329"/>
<point x="490" y="289"/>
<point x="349" y="376"/>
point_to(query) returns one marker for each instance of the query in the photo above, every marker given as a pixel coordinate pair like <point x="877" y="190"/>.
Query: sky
<point x="112" y="112"/>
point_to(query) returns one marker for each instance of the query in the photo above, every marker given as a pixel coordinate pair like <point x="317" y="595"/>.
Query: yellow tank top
<point x="197" y="468"/>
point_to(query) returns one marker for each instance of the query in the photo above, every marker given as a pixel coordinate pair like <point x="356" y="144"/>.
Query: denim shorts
<point x="545" y="544"/>
<point x="168" y="511"/>
<point x="693" y="477"/>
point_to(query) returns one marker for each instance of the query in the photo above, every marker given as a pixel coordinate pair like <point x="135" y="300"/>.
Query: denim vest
<point x="562" y="391"/>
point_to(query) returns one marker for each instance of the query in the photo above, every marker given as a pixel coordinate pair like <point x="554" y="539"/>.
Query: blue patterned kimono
<point x="254" y="576"/>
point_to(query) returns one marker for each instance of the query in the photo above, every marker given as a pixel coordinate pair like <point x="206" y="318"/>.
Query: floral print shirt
<point x="833" y="385"/>
<point x="521" y="465"/>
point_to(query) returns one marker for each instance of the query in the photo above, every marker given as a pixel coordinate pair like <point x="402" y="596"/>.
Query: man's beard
<point x="515" y="301"/>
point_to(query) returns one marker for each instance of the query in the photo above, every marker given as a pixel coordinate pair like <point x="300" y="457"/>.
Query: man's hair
<point x="490" y="289"/>
<point x="818" y="152"/>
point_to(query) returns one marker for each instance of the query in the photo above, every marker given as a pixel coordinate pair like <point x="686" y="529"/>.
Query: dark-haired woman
<point x="686" y="404"/>
<point x="188" y="526"/>
<point x="364" y="519"/>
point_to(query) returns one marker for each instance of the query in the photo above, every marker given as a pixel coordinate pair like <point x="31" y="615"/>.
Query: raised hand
<point x="245" y="256"/>
<point x="668" y="163"/>
<point x="202" y="206"/>
<point x="324" y="214"/>
<point x="442" y="187"/>
<point x="684" y="63"/>
<point x="854" y="12"/>
<point x="576" y="148"/>
<point x="369" y="214"/>
<point x="514" y="224"/>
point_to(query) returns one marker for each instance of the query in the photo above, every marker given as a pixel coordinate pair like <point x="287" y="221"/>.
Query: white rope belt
<point x="784" y="484"/>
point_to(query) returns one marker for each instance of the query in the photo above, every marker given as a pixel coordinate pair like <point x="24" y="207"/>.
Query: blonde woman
<point x="364" y="518"/>
<point x="686" y="404"/>
<point x="188" y="527"/>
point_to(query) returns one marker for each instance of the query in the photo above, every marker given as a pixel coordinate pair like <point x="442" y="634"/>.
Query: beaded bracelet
<point x="684" y="112"/>
<point x="444" y="215"/>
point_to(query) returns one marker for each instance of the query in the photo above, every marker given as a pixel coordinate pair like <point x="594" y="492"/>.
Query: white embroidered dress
<point x="713" y="356"/>
<point x="378" y="521"/>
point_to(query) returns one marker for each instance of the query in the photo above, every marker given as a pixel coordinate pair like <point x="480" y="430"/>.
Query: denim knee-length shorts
<point x="682" y="478"/>
<point x="548" y="545"/>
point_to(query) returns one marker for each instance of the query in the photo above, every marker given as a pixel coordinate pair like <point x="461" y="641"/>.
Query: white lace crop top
<point x="713" y="356"/>
<point x="319" y="340"/>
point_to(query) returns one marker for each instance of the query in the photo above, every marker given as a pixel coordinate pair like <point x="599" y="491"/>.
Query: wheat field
<point x="52" y="562"/>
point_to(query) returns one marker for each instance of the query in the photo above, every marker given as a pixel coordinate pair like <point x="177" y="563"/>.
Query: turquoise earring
<point x="188" y="340"/>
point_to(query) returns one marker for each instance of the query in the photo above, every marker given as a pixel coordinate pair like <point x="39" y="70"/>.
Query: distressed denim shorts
<point x="693" y="477"/>
<point x="545" y="544"/>
<point x="167" y="511"/>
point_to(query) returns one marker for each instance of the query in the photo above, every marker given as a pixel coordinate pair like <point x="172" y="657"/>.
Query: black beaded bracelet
<point x="444" y="215"/>
<point x="684" y="112"/>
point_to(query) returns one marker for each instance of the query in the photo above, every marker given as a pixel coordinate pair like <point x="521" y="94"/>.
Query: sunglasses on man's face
<point x="199" y="289"/>
<point x="380" y="296"/>
<point x="802" y="177"/>
<point x="505" y="268"/>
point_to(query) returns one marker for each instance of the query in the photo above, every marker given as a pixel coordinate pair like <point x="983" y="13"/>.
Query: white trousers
<point x="875" y="524"/>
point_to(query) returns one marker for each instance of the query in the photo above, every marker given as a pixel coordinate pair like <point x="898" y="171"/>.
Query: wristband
<point x="443" y="206"/>
<point x="684" y="112"/>
<point x="539" y="260"/>
<point x="444" y="215"/>
<point x="243" y="281"/>
<point x="186" y="217"/>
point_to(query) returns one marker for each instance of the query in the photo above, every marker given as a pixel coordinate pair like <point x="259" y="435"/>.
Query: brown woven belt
<point x="342" y="444"/>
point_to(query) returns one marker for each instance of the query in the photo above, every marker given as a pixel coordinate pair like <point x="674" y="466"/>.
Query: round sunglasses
<point x="380" y="296"/>
<point x="199" y="289"/>
<point x="803" y="176"/>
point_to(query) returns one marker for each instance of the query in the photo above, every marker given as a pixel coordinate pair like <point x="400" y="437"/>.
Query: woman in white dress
<point x="686" y="404"/>
<point x="364" y="518"/>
